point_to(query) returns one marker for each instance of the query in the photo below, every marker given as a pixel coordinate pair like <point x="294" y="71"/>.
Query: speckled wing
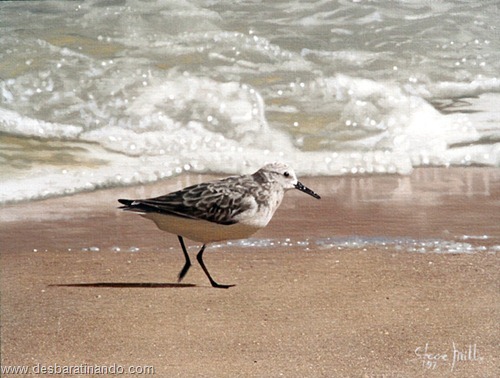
<point x="219" y="202"/>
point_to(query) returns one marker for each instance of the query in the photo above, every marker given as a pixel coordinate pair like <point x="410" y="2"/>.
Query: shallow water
<point x="408" y="245"/>
<point x="365" y="243"/>
<point x="432" y="211"/>
<point x="111" y="93"/>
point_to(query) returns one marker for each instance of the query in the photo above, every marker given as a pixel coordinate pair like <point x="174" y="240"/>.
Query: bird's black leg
<point x="199" y="257"/>
<point x="187" y="264"/>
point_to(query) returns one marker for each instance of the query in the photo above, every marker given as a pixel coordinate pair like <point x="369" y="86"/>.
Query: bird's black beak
<point x="305" y="189"/>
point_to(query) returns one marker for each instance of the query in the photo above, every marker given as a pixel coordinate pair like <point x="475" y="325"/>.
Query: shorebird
<point x="232" y="208"/>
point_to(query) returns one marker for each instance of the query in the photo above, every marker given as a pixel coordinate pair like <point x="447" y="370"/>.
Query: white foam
<point x="130" y="97"/>
<point x="438" y="246"/>
<point x="409" y="245"/>
<point x="14" y="123"/>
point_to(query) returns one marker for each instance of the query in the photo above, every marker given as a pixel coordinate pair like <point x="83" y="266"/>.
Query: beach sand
<point x="314" y="301"/>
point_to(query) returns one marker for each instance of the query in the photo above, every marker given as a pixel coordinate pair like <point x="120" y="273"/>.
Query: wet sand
<point x="70" y="299"/>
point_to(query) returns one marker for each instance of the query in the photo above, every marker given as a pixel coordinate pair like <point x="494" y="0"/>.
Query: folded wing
<point x="218" y="202"/>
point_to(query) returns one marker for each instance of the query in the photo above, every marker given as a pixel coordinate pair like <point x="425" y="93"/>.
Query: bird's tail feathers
<point x="131" y="205"/>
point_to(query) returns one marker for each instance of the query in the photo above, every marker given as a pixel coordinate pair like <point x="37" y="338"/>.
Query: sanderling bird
<point x="232" y="208"/>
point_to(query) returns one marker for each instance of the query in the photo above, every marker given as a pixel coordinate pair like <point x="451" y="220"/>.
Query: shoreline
<point x="296" y="310"/>
<point x="455" y="204"/>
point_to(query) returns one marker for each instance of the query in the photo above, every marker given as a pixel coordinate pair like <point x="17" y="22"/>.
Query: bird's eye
<point x="286" y="174"/>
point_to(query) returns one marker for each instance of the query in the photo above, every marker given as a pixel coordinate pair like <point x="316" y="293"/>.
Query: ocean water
<point x="99" y="94"/>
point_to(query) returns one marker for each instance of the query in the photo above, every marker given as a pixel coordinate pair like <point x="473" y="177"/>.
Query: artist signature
<point x="431" y="359"/>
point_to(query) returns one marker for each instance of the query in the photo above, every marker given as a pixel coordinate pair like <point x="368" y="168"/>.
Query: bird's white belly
<point x="200" y="230"/>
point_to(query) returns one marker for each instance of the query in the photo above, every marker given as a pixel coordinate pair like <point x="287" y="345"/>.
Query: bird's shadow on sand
<point x="150" y="285"/>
